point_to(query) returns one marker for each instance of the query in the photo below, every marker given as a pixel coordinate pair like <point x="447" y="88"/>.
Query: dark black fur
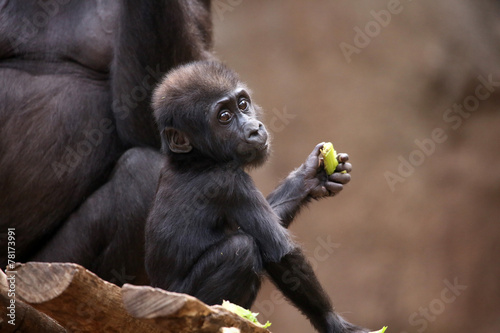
<point x="210" y="232"/>
<point x="75" y="88"/>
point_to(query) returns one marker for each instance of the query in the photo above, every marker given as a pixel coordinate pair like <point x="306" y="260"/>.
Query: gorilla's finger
<point x="333" y="187"/>
<point x="342" y="157"/>
<point x="347" y="167"/>
<point x="342" y="178"/>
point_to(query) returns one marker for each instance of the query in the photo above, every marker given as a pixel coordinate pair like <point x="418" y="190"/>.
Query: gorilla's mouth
<point x="263" y="146"/>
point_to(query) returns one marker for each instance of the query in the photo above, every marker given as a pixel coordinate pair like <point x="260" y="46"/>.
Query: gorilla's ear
<point x="176" y="140"/>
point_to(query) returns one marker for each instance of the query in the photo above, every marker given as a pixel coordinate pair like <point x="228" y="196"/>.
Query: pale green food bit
<point x="244" y="313"/>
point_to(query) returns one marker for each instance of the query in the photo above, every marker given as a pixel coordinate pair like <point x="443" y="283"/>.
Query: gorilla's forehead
<point x="199" y="82"/>
<point x="218" y="96"/>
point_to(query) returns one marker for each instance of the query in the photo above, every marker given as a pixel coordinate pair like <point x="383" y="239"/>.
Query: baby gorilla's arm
<point x="307" y="182"/>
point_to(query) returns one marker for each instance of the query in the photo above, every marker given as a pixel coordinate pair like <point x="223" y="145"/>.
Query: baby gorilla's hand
<point x="317" y="183"/>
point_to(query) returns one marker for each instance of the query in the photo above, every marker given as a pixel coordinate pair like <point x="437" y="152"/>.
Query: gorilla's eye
<point x="243" y="104"/>
<point x="225" y="117"/>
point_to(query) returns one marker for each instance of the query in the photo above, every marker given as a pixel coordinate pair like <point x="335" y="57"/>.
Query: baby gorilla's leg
<point x="229" y="270"/>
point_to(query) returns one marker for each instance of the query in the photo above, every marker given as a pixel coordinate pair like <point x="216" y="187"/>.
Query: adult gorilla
<point x="75" y="85"/>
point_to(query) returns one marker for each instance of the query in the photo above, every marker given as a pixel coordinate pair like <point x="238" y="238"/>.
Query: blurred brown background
<point x="397" y="247"/>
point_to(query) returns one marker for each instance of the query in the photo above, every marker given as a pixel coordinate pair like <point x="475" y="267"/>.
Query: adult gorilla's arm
<point x="153" y="37"/>
<point x="307" y="182"/>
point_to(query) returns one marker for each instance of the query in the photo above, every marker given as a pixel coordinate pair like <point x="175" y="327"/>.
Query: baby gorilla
<point x="210" y="232"/>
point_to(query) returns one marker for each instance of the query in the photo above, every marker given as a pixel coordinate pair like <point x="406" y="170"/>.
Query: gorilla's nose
<point x="256" y="133"/>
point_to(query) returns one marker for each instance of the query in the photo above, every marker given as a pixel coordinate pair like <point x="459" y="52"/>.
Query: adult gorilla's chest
<point x="57" y="135"/>
<point x="81" y="32"/>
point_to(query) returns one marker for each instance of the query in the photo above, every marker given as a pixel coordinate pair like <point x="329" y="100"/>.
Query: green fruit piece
<point x="380" y="331"/>
<point x="329" y="158"/>
<point x="244" y="313"/>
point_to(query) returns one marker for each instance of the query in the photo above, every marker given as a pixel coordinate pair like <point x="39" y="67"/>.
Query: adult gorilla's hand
<point x="317" y="183"/>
